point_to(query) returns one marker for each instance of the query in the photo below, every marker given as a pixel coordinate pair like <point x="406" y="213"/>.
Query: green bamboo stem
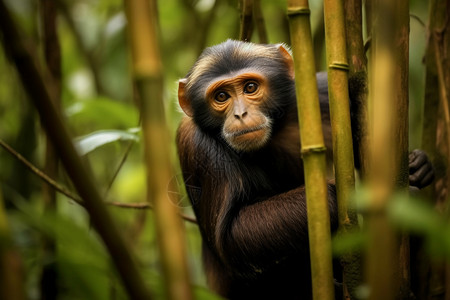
<point x="335" y="38"/>
<point x="383" y="249"/>
<point x="313" y="150"/>
<point x="441" y="42"/>
<point x="427" y="275"/>
<point x="402" y="93"/>
<point x="246" y="27"/>
<point x="260" y="23"/>
<point x="147" y="67"/>
<point x="401" y="118"/>
<point x="54" y="126"/>
<point x="357" y="77"/>
<point x="443" y="96"/>
<point x="52" y="50"/>
<point x="339" y="107"/>
<point x="382" y="246"/>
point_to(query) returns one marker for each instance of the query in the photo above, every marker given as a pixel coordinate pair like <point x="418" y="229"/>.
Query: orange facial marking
<point x="249" y="85"/>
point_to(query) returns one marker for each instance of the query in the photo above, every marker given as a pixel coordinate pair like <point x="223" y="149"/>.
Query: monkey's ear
<point x="184" y="102"/>
<point x="287" y="59"/>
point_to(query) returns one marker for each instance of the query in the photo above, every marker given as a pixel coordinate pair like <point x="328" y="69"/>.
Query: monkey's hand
<point x="421" y="172"/>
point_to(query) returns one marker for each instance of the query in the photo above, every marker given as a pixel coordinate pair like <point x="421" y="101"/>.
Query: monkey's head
<point x="239" y="90"/>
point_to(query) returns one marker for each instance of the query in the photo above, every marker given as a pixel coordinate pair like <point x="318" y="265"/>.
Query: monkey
<point x="239" y="151"/>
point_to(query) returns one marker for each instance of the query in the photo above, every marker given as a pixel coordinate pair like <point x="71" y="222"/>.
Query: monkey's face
<point x="239" y="101"/>
<point x="239" y="92"/>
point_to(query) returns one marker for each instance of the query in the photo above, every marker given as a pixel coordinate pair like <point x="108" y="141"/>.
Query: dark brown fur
<point x="250" y="205"/>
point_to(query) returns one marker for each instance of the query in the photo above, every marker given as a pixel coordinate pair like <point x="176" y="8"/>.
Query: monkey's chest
<point x="273" y="174"/>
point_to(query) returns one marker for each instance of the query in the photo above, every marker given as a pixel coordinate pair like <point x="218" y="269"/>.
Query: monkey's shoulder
<point x="185" y="132"/>
<point x="197" y="148"/>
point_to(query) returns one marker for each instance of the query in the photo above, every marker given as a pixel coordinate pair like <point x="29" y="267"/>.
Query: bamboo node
<point x="339" y="66"/>
<point x="313" y="149"/>
<point x="292" y="11"/>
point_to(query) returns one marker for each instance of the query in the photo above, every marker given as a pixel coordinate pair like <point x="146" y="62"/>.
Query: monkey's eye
<point x="221" y="97"/>
<point x="250" y="87"/>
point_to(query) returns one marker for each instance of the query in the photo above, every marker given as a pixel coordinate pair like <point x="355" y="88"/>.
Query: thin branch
<point x="58" y="187"/>
<point x="122" y="162"/>
<point x="39" y="173"/>
<point x="367" y="44"/>
<point x="145" y="205"/>
<point x="419" y="20"/>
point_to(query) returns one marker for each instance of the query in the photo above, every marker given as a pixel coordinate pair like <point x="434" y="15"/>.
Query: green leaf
<point x="90" y="142"/>
<point x="101" y="112"/>
<point x="84" y="267"/>
<point x="419" y="217"/>
<point x="414" y="215"/>
<point x="349" y="242"/>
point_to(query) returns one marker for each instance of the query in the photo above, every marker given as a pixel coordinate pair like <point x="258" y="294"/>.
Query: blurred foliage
<point x="411" y="214"/>
<point x="98" y="98"/>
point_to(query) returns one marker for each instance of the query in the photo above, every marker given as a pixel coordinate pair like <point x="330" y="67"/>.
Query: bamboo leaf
<point x="348" y="242"/>
<point x="90" y="142"/>
<point x="419" y="217"/>
<point x="415" y="215"/>
<point x="117" y="114"/>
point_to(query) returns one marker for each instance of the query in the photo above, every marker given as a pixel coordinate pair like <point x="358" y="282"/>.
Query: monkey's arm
<point x="248" y="236"/>
<point x="259" y="236"/>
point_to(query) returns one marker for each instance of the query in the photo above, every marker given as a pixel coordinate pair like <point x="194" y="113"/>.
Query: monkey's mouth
<point x="248" y="139"/>
<point x="238" y="133"/>
<point x="245" y="131"/>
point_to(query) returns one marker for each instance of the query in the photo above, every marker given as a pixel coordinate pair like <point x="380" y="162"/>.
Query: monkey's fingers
<point x="417" y="159"/>
<point x="422" y="176"/>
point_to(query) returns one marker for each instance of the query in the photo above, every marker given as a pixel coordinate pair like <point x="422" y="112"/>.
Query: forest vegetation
<point x="92" y="201"/>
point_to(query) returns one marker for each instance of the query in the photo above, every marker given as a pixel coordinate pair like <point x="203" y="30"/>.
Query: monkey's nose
<point x="240" y="110"/>
<point x="240" y="116"/>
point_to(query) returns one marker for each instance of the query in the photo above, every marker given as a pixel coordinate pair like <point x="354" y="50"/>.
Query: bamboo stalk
<point x="313" y="150"/>
<point x="443" y="96"/>
<point x="52" y="122"/>
<point x="383" y="249"/>
<point x="444" y="86"/>
<point x="52" y="50"/>
<point x="357" y="79"/>
<point x="246" y="28"/>
<point x="339" y="107"/>
<point x="341" y="131"/>
<point x="260" y="23"/>
<point x="382" y="246"/>
<point x="428" y="275"/>
<point x="147" y="68"/>
<point x="401" y="117"/>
